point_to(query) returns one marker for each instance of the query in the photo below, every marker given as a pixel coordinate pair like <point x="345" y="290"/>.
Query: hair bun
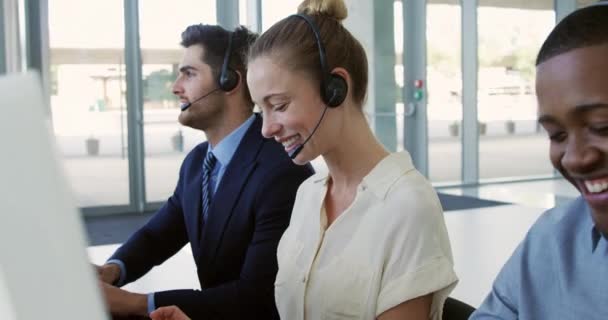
<point x="335" y="9"/>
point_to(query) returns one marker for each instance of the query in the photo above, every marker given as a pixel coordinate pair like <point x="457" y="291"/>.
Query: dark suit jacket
<point x="235" y="251"/>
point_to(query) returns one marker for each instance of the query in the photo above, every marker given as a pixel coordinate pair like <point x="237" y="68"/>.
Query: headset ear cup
<point x="335" y="90"/>
<point x="228" y="80"/>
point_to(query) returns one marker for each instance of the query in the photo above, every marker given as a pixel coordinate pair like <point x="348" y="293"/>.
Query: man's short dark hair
<point x="214" y="40"/>
<point x="585" y="27"/>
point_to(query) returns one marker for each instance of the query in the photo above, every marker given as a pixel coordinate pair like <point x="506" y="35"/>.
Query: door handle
<point x="410" y="110"/>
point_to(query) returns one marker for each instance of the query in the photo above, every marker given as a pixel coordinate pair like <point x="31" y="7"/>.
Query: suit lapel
<point x="229" y="190"/>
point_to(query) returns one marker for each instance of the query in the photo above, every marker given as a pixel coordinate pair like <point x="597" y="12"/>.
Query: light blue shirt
<point x="223" y="152"/>
<point x="559" y="271"/>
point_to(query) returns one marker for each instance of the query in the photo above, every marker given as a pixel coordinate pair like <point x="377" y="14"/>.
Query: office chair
<point x="456" y="310"/>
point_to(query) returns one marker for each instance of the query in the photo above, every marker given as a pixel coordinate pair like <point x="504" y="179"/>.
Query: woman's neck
<point x="355" y="156"/>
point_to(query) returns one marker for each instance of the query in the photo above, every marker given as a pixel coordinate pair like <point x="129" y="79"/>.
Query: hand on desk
<point x="124" y="303"/>
<point x="169" y="313"/>
<point x="108" y="273"/>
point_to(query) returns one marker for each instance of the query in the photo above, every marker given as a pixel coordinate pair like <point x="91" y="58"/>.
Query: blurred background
<point x="108" y="68"/>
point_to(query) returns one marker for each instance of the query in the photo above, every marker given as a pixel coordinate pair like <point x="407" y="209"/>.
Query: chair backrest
<point x="456" y="310"/>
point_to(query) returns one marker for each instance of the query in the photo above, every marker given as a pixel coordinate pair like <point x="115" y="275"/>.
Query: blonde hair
<point x="335" y="9"/>
<point x="291" y="43"/>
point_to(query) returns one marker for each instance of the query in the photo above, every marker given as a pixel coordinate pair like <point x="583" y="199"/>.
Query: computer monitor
<point x="44" y="268"/>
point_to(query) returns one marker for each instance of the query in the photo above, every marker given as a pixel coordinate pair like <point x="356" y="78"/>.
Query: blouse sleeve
<point x="418" y="258"/>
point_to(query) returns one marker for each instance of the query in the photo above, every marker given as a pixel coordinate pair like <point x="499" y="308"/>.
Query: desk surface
<point x="179" y="272"/>
<point x="482" y="241"/>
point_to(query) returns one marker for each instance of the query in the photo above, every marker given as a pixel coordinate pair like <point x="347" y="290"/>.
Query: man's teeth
<point x="289" y="142"/>
<point x="596" y="187"/>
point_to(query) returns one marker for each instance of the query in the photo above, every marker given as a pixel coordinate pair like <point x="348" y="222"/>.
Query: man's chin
<point x="187" y="121"/>
<point x="184" y="119"/>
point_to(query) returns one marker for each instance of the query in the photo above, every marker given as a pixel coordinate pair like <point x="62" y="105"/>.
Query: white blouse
<point x="390" y="246"/>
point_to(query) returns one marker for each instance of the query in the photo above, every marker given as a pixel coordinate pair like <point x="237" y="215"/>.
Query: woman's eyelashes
<point x="280" y="107"/>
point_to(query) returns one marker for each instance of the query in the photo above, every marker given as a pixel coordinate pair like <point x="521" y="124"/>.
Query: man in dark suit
<point x="232" y="202"/>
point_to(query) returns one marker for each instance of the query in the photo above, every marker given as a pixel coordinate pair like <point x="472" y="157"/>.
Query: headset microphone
<point x="188" y="104"/>
<point x="293" y="154"/>
<point x="333" y="86"/>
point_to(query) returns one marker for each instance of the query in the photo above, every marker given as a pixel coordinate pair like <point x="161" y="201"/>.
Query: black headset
<point x="333" y="86"/>
<point x="228" y="79"/>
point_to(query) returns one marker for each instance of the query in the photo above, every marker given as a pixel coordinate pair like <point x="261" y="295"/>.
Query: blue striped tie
<point x="208" y="165"/>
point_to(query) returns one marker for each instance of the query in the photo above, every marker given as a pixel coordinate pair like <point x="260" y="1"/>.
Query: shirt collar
<point x="321" y="177"/>
<point x="596" y="236"/>
<point x="386" y="172"/>
<point x="224" y="150"/>
<point x="589" y="224"/>
<point x="383" y="175"/>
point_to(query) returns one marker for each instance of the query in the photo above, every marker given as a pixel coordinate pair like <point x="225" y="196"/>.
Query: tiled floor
<point x="538" y="194"/>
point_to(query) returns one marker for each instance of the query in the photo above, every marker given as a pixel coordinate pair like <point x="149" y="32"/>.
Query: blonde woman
<point x="367" y="240"/>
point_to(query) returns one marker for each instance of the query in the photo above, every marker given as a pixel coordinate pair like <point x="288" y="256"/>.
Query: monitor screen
<point x="45" y="269"/>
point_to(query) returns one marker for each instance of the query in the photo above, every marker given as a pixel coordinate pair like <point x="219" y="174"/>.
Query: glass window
<point x="248" y="14"/>
<point x="275" y="10"/>
<point x="509" y="39"/>
<point x="584" y="3"/>
<point x="444" y="77"/>
<point x="166" y="141"/>
<point x="88" y="97"/>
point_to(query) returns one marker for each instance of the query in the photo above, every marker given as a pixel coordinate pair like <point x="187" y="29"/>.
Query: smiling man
<point x="232" y="202"/>
<point x="560" y="270"/>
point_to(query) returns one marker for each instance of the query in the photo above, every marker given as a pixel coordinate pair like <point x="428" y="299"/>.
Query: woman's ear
<point x="343" y="73"/>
